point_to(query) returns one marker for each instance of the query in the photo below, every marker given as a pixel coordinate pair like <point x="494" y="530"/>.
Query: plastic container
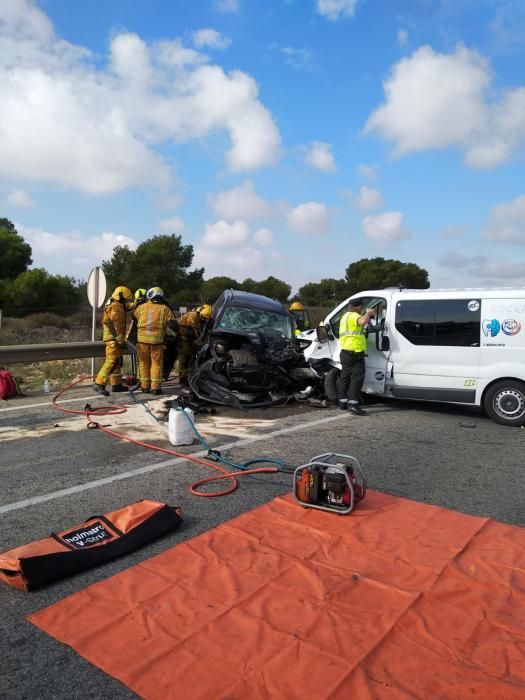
<point x="179" y="430"/>
<point x="47" y="387"/>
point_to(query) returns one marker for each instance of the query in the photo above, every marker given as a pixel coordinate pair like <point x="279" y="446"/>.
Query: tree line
<point x="165" y="261"/>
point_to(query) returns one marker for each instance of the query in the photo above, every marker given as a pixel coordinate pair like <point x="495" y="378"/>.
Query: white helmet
<point x="154" y="293"/>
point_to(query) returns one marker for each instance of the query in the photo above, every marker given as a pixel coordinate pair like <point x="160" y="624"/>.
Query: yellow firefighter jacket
<point x="114" y="322"/>
<point x="152" y="320"/>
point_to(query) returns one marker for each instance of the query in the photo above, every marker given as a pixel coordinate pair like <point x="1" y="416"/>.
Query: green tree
<point x="161" y="261"/>
<point x="378" y="273"/>
<point x="270" y="287"/>
<point x="327" y="292"/>
<point x="36" y="290"/>
<point x="15" y="253"/>
<point x="211" y="289"/>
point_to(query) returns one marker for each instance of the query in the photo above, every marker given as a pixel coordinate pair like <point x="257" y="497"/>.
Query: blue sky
<point x="284" y="137"/>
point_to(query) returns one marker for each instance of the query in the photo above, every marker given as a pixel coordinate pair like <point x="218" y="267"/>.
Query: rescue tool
<point x="331" y="481"/>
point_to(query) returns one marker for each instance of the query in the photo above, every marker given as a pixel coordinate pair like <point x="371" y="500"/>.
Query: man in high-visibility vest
<point x="352" y="339"/>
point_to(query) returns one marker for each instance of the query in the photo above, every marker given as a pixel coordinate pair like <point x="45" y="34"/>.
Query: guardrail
<point x="10" y="354"/>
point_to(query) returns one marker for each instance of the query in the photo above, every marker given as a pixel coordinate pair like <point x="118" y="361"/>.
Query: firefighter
<point x="191" y="326"/>
<point x="301" y="317"/>
<point x="114" y="337"/>
<point x="353" y="346"/>
<point x="152" y="319"/>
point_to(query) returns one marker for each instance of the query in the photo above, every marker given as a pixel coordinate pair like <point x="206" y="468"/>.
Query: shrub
<point x="45" y="318"/>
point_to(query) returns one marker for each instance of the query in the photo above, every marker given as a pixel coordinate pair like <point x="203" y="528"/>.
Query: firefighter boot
<point x="100" y="389"/>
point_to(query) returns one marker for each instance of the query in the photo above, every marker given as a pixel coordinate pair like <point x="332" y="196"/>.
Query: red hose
<point x="113" y="410"/>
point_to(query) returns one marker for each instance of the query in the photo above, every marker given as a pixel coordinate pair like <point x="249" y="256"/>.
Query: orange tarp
<point x="398" y="600"/>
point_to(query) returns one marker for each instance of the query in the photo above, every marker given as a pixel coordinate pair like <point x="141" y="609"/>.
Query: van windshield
<point x="269" y="323"/>
<point x="377" y="303"/>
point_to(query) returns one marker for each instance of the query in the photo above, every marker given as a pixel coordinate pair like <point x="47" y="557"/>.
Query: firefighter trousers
<point x="111" y="370"/>
<point x="150" y="365"/>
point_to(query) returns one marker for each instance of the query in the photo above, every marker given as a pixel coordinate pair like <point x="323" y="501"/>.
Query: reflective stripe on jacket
<point x="152" y="320"/>
<point x="351" y="334"/>
<point x="114" y="322"/>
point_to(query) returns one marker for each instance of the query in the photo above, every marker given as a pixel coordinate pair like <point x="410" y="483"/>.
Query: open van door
<point x="378" y="343"/>
<point x="377" y="348"/>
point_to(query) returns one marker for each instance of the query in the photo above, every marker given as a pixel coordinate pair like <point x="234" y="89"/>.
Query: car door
<point x="376" y="357"/>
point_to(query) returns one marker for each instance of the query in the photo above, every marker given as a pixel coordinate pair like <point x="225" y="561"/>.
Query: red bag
<point x="8" y="386"/>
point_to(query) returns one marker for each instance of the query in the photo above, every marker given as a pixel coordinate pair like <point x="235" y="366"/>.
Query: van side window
<point x="449" y="322"/>
<point x="376" y="303"/>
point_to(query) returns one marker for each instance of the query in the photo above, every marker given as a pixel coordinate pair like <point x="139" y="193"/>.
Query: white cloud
<point x="369" y="199"/>
<point x="319" y="155"/>
<point x="481" y="268"/>
<point x="452" y="231"/>
<point x="402" y="37"/>
<point x="238" y="262"/>
<point x="19" y="198"/>
<point x="227" y="5"/>
<point x="241" y="202"/>
<point x="73" y="253"/>
<point x="367" y="171"/>
<point x="385" y="228"/>
<point x="506" y="222"/>
<point x="301" y="59"/>
<point x="173" y="225"/>
<point x="98" y="127"/>
<point x="223" y="234"/>
<point x="310" y="218"/>
<point x="334" y="9"/>
<point x="436" y="100"/>
<point x="263" y="236"/>
<point x="210" y="37"/>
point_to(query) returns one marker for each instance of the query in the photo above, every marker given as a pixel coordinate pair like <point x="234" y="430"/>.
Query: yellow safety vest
<point x="351" y="334"/>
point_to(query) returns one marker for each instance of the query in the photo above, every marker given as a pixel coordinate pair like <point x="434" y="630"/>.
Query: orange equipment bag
<point x="97" y="540"/>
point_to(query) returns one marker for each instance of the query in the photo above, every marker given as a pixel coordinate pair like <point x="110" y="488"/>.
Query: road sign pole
<point x="94" y="320"/>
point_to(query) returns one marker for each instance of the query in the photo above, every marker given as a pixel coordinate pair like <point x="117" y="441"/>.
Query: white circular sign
<point x="473" y="305"/>
<point x="96" y="287"/>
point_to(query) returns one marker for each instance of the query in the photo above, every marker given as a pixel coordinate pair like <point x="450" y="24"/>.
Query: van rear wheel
<point x="505" y="402"/>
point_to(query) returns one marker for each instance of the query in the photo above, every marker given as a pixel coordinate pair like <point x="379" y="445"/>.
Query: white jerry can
<point x="179" y="429"/>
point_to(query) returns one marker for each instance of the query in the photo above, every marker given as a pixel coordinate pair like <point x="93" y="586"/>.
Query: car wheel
<point x="330" y="384"/>
<point x="504" y="402"/>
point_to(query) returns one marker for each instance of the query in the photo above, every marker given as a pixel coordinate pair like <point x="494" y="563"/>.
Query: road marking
<point x="18" y="505"/>
<point x="48" y="403"/>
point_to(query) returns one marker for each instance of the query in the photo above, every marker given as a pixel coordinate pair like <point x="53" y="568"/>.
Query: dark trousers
<point x="352" y="376"/>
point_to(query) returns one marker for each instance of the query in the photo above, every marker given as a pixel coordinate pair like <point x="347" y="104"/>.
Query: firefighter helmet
<point x="296" y="306"/>
<point x="155" y="293"/>
<point x="205" y="311"/>
<point x="122" y="294"/>
<point x="140" y="294"/>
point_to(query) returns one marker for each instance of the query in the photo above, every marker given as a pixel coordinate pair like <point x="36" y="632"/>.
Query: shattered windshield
<point x="239" y="318"/>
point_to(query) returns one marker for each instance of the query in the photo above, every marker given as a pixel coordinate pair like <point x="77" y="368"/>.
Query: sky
<point x="278" y="137"/>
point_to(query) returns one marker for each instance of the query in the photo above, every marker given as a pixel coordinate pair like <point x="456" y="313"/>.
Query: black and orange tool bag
<point x="97" y="540"/>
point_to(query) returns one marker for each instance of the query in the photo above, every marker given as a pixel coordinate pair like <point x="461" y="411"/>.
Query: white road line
<point x="18" y="505"/>
<point x="48" y="403"/>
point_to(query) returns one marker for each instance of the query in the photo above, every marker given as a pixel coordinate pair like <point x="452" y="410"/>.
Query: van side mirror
<point x="323" y="334"/>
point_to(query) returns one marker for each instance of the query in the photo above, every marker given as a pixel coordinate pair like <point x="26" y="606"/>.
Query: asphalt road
<point x="447" y="456"/>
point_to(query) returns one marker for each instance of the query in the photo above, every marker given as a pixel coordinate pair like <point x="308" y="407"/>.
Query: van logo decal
<point x="491" y="328"/>
<point x="473" y="305"/>
<point x="469" y="382"/>
<point x="511" y="327"/>
<point x="379" y="375"/>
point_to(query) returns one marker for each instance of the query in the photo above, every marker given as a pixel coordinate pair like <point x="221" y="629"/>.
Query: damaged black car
<point x="249" y="357"/>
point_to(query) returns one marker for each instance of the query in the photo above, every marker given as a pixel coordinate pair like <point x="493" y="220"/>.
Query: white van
<point x="462" y="346"/>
